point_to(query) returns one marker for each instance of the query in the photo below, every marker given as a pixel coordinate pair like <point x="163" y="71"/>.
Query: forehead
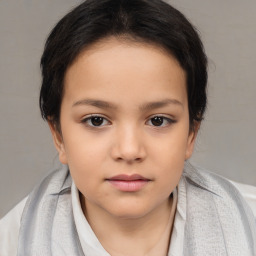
<point x="116" y="70"/>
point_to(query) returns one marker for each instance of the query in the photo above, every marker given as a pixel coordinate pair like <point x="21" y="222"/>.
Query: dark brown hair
<point x="150" y="21"/>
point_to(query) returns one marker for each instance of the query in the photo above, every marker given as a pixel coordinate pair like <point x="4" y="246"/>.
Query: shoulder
<point x="249" y="194"/>
<point x="9" y="229"/>
<point x="240" y="194"/>
<point x="218" y="213"/>
<point x="55" y="182"/>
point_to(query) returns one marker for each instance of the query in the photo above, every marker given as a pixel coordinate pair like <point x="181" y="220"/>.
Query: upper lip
<point x="126" y="177"/>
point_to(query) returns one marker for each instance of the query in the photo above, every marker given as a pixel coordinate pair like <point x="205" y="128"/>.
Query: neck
<point x="124" y="236"/>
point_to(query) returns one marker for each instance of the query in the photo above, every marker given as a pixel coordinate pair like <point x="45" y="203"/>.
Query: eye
<point x="160" y="121"/>
<point x="95" y="121"/>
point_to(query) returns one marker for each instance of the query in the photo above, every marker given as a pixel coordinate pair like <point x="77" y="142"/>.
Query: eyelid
<point x="86" y="118"/>
<point x="169" y="119"/>
<point x="90" y="116"/>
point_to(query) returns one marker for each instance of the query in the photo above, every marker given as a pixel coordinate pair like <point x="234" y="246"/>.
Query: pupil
<point x="97" y="120"/>
<point x="157" y="121"/>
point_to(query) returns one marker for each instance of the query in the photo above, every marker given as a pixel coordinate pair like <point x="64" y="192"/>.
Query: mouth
<point x="128" y="183"/>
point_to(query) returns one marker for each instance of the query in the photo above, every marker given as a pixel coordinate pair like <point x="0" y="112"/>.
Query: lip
<point x="128" y="183"/>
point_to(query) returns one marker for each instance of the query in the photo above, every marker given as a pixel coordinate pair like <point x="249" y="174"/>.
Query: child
<point x="124" y="92"/>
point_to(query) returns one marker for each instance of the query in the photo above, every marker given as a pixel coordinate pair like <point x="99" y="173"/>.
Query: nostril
<point x="130" y="160"/>
<point x="138" y="159"/>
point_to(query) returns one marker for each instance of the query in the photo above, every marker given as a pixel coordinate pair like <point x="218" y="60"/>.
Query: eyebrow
<point x="96" y="103"/>
<point x="160" y="104"/>
<point x="144" y="107"/>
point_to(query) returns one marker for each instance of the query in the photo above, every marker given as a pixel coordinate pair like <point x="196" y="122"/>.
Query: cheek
<point x="170" y="169"/>
<point x="171" y="149"/>
<point x="169" y="156"/>
<point x="85" y="153"/>
<point x="80" y="144"/>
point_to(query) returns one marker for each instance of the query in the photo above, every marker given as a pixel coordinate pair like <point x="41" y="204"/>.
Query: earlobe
<point x="58" y="142"/>
<point x="191" y="140"/>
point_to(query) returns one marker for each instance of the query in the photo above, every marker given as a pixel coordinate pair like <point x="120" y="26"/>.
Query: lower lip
<point x="128" y="185"/>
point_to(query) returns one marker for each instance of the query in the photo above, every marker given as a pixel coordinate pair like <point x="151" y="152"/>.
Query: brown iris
<point x="97" y="120"/>
<point x="157" y="120"/>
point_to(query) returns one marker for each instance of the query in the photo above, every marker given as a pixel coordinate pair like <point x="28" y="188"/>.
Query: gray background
<point x="227" y="140"/>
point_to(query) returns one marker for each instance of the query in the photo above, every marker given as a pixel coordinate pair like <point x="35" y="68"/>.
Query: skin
<point x="130" y="77"/>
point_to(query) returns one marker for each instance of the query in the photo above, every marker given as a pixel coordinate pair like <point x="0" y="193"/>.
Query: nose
<point x="128" y="145"/>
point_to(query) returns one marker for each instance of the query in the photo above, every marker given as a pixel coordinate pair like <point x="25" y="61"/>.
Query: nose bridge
<point x="129" y="145"/>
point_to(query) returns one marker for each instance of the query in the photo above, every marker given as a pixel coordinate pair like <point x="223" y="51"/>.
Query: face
<point x="124" y="127"/>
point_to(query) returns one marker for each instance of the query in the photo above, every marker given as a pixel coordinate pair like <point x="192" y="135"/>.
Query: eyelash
<point x="89" y="118"/>
<point x="166" y="119"/>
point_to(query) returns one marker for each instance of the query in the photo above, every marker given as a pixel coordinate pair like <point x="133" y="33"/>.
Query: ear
<point x="191" y="140"/>
<point x="58" y="142"/>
